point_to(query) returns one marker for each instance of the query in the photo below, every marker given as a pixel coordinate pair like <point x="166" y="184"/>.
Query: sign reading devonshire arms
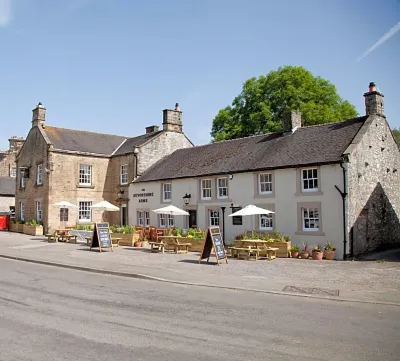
<point x="142" y="196"/>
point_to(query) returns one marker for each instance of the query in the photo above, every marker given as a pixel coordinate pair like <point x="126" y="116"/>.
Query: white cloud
<point x="5" y="12"/>
<point x="382" y="40"/>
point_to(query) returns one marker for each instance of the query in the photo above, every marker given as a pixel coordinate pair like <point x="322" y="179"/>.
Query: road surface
<point x="49" y="313"/>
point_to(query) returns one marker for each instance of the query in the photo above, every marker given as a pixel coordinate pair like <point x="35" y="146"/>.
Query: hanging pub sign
<point x="214" y="241"/>
<point x="101" y="237"/>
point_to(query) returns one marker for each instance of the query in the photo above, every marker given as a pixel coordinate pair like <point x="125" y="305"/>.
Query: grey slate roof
<point x="131" y="143"/>
<point x="83" y="141"/>
<point x="7" y="186"/>
<point x="320" y="144"/>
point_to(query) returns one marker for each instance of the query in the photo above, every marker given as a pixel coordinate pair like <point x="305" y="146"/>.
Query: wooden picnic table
<point x="254" y="248"/>
<point x="170" y="243"/>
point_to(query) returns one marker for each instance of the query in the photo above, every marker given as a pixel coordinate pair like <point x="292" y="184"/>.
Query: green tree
<point x="259" y="107"/>
<point x="396" y="133"/>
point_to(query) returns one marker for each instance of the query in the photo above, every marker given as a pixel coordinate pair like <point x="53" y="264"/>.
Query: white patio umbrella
<point x="64" y="204"/>
<point x="105" y="206"/>
<point x="250" y="210"/>
<point x="171" y="210"/>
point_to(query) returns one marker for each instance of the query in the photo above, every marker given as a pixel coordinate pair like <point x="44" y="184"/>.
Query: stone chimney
<point x="151" y="129"/>
<point x="38" y="115"/>
<point x="374" y="101"/>
<point x="291" y="121"/>
<point x="172" y="120"/>
<point x="16" y="144"/>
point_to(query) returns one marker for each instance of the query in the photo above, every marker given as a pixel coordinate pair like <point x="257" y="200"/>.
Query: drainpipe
<point x="223" y="225"/>
<point x="344" y="194"/>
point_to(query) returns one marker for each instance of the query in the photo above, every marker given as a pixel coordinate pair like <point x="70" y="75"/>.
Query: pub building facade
<point x="324" y="183"/>
<point x="81" y="167"/>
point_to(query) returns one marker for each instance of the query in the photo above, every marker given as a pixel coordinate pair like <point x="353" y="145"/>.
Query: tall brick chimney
<point x="291" y="121"/>
<point x="374" y="101"/>
<point x="172" y="119"/>
<point x="38" y="115"/>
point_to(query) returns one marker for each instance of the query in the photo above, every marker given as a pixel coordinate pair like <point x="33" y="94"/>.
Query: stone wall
<point x="64" y="186"/>
<point x="373" y="182"/>
<point x="159" y="147"/>
<point x="33" y="152"/>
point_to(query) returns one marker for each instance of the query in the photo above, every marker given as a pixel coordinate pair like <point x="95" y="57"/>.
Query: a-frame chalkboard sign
<point x="101" y="237"/>
<point x="214" y="241"/>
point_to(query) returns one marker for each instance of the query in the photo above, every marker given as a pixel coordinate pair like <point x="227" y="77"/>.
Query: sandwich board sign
<point x="101" y="237"/>
<point x="214" y="241"/>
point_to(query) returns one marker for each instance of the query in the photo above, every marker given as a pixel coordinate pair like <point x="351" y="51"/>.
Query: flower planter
<point x="283" y="248"/>
<point x="304" y="255"/>
<point x="20" y="228"/>
<point x="127" y="239"/>
<point x="197" y="244"/>
<point x="329" y="254"/>
<point x="14" y="227"/>
<point x="138" y="244"/>
<point x="317" y="255"/>
<point x="33" y="230"/>
<point x="295" y="254"/>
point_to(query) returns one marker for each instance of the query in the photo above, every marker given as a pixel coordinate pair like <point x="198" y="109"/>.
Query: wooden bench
<point x="247" y="252"/>
<point x="51" y="237"/>
<point x="270" y="252"/>
<point x="182" y="247"/>
<point x="157" y="247"/>
<point x="115" y="241"/>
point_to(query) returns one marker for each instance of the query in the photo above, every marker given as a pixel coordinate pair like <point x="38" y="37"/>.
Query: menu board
<point x="214" y="241"/>
<point x="101" y="237"/>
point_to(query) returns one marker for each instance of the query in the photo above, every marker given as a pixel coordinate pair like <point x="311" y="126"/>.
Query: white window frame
<point x="39" y="211"/>
<point x="222" y="187"/>
<point x="213" y="218"/>
<point x="123" y="177"/>
<point x="85" y="174"/>
<point x="22" y="181"/>
<point x="311" y="217"/>
<point x="22" y="211"/>
<point x="310" y="179"/>
<point x="266" y="222"/>
<point x="140" y="218"/>
<point x="166" y="220"/>
<point x="143" y="218"/>
<point x="84" y="208"/>
<point x="39" y="174"/>
<point x="265" y="183"/>
<point x="13" y="172"/>
<point x="206" y="185"/>
<point x="167" y="192"/>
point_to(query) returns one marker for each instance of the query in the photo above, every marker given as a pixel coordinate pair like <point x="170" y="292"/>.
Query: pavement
<point x="49" y="313"/>
<point x="370" y="281"/>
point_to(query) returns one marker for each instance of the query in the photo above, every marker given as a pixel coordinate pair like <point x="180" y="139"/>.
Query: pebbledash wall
<point x="286" y="201"/>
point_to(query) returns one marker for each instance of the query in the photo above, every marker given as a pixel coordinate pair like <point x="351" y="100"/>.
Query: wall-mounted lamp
<point x="186" y="198"/>
<point x="230" y="176"/>
<point x="120" y="193"/>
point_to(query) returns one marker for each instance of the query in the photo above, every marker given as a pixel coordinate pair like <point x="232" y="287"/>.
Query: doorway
<point x="124" y="215"/>
<point x="192" y="218"/>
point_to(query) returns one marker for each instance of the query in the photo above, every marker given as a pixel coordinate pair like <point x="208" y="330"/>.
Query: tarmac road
<point x="49" y="313"/>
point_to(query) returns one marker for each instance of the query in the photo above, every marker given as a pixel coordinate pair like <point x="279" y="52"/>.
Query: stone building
<point x="7" y="195"/>
<point x="7" y="157"/>
<point x="83" y="168"/>
<point x="335" y="182"/>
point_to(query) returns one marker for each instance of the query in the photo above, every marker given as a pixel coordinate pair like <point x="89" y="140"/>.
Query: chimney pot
<point x="177" y="107"/>
<point x="374" y="101"/>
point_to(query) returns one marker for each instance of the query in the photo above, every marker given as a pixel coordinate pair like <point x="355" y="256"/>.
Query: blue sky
<point x="112" y="66"/>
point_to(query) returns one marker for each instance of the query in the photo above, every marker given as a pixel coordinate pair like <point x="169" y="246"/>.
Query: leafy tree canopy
<point x="259" y="107"/>
<point x="396" y="133"/>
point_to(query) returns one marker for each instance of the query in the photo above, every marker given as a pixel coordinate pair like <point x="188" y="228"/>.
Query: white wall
<point x="242" y="189"/>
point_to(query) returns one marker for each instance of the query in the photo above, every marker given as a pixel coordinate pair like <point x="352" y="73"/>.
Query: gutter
<point x="344" y="194"/>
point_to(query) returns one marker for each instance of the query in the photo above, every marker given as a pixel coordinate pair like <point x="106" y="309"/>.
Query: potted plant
<point x="304" y="252"/>
<point x="329" y="252"/>
<point x="139" y="242"/>
<point x="317" y="252"/>
<point x="294" y="251"/>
